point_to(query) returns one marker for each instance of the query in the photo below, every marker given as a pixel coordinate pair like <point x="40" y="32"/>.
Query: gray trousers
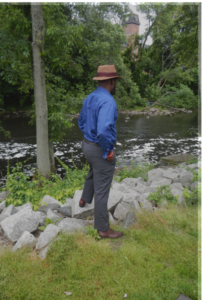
<point x="98" y="182"/>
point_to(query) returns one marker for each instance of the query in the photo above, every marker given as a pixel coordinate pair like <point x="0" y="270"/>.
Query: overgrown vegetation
<point x="157" y="259"/>
<point x="22" y="190"/>
<point x="163" y="193"/>
<point x="139" y="170"/>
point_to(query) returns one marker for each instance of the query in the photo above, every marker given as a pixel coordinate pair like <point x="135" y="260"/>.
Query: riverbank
<point x="159" y="111"/>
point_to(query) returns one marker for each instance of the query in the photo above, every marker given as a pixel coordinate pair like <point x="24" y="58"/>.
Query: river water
<point x="138" y="138"/>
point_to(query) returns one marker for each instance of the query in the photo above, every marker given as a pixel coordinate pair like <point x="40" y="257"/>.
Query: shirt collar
<point x="103" y="90"/>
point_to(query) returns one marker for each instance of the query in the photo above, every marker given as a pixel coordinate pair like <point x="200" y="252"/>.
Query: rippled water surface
<point x="137" y="138"/>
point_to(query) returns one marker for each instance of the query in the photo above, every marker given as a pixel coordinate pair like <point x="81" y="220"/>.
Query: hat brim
<point x="106" y="78"/>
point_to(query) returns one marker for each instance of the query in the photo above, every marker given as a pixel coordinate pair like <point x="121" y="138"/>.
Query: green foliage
<point x="134" y="172"/>
<point x="163" y="193"/>
<point x="93" y="233"/>
<point x="47" y="222"/>
<point x="194" y="197"/>
<point x="22" y="190"/>
<point x="152" y="93"/>
<point x="183" y="98"/>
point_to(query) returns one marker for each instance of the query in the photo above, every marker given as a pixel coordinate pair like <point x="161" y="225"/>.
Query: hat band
<point x="102" y="74"/>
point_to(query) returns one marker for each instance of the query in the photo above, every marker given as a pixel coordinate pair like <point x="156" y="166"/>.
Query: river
<point x="138" y="138"/>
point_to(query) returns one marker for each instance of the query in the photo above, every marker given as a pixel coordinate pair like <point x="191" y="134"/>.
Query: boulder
<point x="185" y="178"/>
<point x="115" y="197"/>
<point x="8" y="211"/>
<point x="143" y="197"/>
<point x="146" y="205"/>
<point x="111" y="219"/>
<point x="193" y="166"/>
<point x="128" y="197"/>
<point x="53" y="216"/>
<point x="172" y="175"/>
<point x="176" y="159"/>
<point x="24" y="206"/>
<point x="49" y="200"/>
<point x="183" y="297"/>
<point x="139" y="188"/>
<point x="3" y="195"/>
<point x="151" y="189"/>
<point x="26" y="240"/>
<point x="81" y="212"/>
<point x="177" y="185"/>
<point x="44" y="251"/>
<point x="70" y="225"/>
<point x="155" y="173"/>
<point x="179" y="193"/>
<point x="44" y="209"/>
<point x="130" y="219"/>
<point x="194" y="185"/>
<point x="160" y="182"/>
<point x="14" y="225"/>
<point x="65" y="211"/>
<point x="41" y="218"/>
<point x="47" y="236"/>
<point x="68" y="202"/>
<point x="121" y="210"/>
<point x="135" y="205"/>
<point x="131" y="181"/>
<point x="2" y="205"/>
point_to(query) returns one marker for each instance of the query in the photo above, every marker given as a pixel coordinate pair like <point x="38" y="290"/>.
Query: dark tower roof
<point x="134" y="19"/>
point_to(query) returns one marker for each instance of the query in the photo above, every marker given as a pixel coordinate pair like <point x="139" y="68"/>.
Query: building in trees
<point x="131" y="27"/>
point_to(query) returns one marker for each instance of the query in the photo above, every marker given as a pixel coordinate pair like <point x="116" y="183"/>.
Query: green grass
<point x="155" y="260"/>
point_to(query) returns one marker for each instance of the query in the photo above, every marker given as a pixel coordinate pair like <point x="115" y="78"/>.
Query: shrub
<point x="163" y="193"/>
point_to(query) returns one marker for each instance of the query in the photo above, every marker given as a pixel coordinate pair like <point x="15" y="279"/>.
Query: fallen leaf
<point x="68" y="293"/>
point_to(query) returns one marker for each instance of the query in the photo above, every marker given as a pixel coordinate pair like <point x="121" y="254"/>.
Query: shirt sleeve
<point x="106" y="130"/>
<point x="80" y="121"/>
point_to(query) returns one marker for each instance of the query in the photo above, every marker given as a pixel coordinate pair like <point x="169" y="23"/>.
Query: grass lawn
<point x="155" y="260"/>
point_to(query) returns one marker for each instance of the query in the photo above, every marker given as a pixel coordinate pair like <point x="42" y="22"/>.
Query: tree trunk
<point x="199" y="84"/>
<point x="52" y="158"/>
<point x="43" y="161"/>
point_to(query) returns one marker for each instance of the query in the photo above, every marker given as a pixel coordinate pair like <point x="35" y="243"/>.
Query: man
<point x="97" y="122"/>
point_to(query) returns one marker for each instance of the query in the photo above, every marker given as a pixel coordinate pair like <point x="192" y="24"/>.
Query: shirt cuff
<point x="105" y="153"/>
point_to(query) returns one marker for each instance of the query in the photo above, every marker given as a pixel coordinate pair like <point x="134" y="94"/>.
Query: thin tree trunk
<point x="38" y="25"/>
<point x="52" y="158"/>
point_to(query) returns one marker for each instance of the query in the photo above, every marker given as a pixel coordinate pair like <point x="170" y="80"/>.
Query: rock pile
<point x="19" y="224"/>
<point x="154" y="112"/>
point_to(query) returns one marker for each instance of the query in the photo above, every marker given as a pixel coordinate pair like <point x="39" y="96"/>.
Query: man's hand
<point x="110" y="156"/>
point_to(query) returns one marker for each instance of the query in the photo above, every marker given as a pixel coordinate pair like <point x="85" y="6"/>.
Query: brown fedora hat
<point x="106" y="72"/>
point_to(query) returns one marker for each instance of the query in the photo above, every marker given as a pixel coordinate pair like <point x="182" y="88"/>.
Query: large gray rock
<point x="49" y="200"/>
<point x="115" y="197"/>
<point x="26" y="240"/>
<point x="53" y="216"/>
<point x="68" y="202"/>
<point x="131" y="181"/>
<point x="41" y="218"/>
<point x="111" y="219"/>
<point x="183" y="297"/>
<point x="24" y="206"/>
<point x="139" y="188"/>
<point x="155" y="173"/>
<point x="151" y="189"/>
<point x="171" y="174"/>
<point x="14" y="225"/>
<point x="193" y="166"/>
<point x="3" y="195"/>
<point x="70" y="225"/>
<point x="65" y="211"/>
<point x="44" y="209"/>
<point x="194" y="185"/>
<point x="144" y="203"/>
<point x="143" y="197"/>
<point x="81" y="212"/>
<point x="47" y="236"/>
<point x="128" y="197"/>
<point x="177" y="185"/>
<point x="185" y="178"/>
<point x="130" y="219"/>
<point x="159" y="182"/>
<point x="135" y="205"/>
<point x="179" y="193"/>
<point x="176" y="159"/>
<point x="121" y="210"/>
<point x="2" y="205"/>
<point x="8" y="211"/>
<point x="44" y="251"/>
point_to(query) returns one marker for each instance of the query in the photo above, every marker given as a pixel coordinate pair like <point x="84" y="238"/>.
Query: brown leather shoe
<point x="110" y="233"/>
<point x="82" y="203"/>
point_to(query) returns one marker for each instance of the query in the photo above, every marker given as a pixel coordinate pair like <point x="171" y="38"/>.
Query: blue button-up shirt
<point x="97" y="119"/>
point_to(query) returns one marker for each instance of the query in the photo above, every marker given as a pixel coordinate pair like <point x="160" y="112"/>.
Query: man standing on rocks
<point x="97" y="122"/>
